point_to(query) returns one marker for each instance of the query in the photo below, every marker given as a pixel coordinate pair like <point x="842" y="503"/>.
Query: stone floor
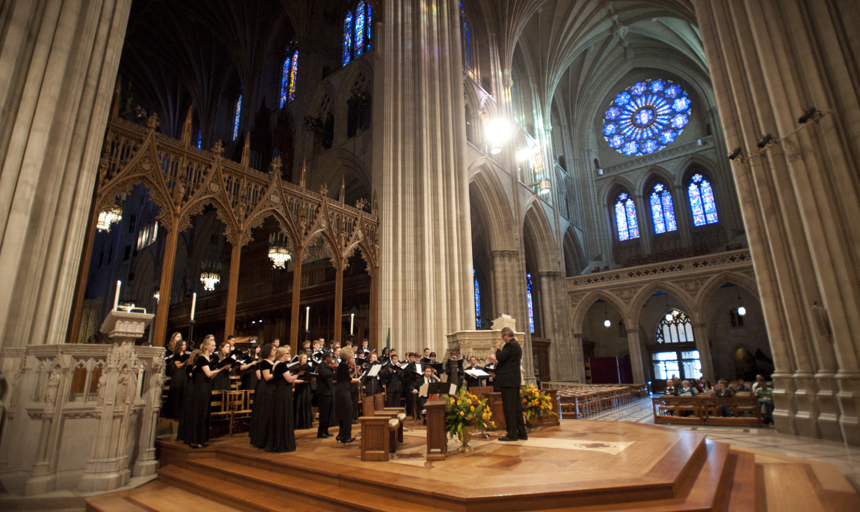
<point x="845" y="458"/>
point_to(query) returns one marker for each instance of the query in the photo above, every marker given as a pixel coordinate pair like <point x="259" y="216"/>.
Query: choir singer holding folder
<point x="420" y="388"/>
<point x="507" y="361"/>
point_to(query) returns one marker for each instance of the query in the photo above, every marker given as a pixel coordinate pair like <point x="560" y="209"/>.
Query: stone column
<point x="499" y="296"/>
<point x="799" y="198"/>
<point x="59" y="62"/>
<point x="635" y="355"/>
<point x="426" y="288"/>
<point x="703" y="345"/>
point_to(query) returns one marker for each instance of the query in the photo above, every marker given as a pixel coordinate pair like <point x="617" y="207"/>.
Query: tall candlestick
<point x="308" y="318"/>
<point x="351" y="321"/>
<point x="116" y="297"/>
<point x="193" y="305"/>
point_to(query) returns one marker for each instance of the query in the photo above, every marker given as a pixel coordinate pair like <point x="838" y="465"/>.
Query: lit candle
<point x="193" y="305"/>
<point x="351" y="321"/>
<point x="116" y="297"/>
<point x="308" y="318"/>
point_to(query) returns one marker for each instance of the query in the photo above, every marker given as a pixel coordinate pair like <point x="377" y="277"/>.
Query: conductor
<point x="507" y="361"/>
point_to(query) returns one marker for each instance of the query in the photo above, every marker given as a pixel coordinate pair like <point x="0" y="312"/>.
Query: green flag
<point x="388" y="339"/>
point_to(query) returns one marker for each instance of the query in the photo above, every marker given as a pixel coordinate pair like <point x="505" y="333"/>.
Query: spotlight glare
<point x="607" y="323"/>
<point x="742" y="311"/>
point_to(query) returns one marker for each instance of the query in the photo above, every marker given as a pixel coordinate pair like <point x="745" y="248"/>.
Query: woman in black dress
<point x="282" y="437"/>
<point x="261" y="414"/>
<point x="178" y="381"/>
<point x="221" y="382"/>
<point x="197" y="408"/>
<point x="249" y="369"/>
<point x="343" y="408"/>
<point x="302" y="400"/>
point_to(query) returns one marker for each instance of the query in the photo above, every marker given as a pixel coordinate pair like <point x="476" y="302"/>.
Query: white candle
<point x="351" y="321"/>
<point x="193" y="305"/>
<point x="116" y="297"/>
<point x="308" y="318"/>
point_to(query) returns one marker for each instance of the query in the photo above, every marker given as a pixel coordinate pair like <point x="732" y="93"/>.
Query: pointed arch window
<point x="236" y="118"/>
<point x="467" y="40"/>
<point x="662" y="210"/>
<point x="702" y="202"/>
<point x="199" y="139"/>
<point x="285" y="81"/>
<point x="294" y="75"/>
<point x="356" y="32"/>
<point x="477" y="300"/>
<point x="626" y="224"/>
<point x="530" y="303"/>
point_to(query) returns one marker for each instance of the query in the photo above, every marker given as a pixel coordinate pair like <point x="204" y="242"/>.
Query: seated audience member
<point x="765" y="400"/>
<point x="755" y="384"/>
<point x="670" y="388"/>
<point x="723" y="391"/>
<point x="733" y="385"/>
<point x="686" y="389"/>
<point x="742" y="387"/>
<point x="706" y="387"/>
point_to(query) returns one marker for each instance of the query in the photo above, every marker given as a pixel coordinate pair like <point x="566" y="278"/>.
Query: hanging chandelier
<point x="210" y="276"/>
<point x="279" y="253"/>
<point x="110" y="216"/>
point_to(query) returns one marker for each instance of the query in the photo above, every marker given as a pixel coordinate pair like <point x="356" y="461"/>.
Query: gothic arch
<point x="574" y="259"/>
<point x="655" y="173"/>
<point x="490" y="199"/>
<point x="537" y="230"/>
<point x="710" y="288"/>
<point x="687" y="304"/>
<point x="337" y="164"/>
<point x="582" y="307"/>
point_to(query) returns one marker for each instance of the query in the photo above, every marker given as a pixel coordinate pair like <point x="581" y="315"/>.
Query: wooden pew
<point x="703" y="409"/>
<point x="380" y="431"/>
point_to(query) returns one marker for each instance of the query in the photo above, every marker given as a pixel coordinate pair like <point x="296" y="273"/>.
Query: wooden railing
<point x="702" y="410"/>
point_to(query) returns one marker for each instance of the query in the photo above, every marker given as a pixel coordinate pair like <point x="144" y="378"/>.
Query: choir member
<point x="197" y="409"/>
<point x="386" y="356"/>
<point x="454" y="369"/>
<point x="491" y="380"/>
<point x="249" y="369"/>
<point x="365" y="346"/>
<point x="473" y="382"/>
<point x="280" y="437"/>
<point x="261" y="414"/>
<point x="410" y="373"/>
<point x="302" y="398"/>
<point x="168" y="354"/>
<point x="325" y="386"/>
<point x="176" y="390"/>
<point x="277" y="343"/>
<point x="222" y="380"/>
<point x="421" y="396"/>
<point x="372" y="385"/>
<point x="185" y="398"/>
<point x="426" y="358"/>
<point x="394" y="380"/>
<point x="438" y="372"/>
<point x="342" y="397"/>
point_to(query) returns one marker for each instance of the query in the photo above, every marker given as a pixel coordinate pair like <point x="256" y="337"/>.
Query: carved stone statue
<point x="122" y="386"/>
<point x="102" y="385"/>
<point x="53" y="388"/>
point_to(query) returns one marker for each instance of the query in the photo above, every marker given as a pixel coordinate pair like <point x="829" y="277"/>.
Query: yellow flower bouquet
<point x="464" y="412"/>
<point x="536" y="405"/>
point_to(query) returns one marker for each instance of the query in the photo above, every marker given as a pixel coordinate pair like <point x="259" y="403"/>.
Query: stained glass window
<point x="199" y="139"/>
<point x="477" y="300"/>
<point x="662" y="210"/>
<point x="236" y="119"/>
<point x="467" y="39"/>
<point x="356" y="32"/>
<point x="294" y="72"/>
<point x="677" y="330"/>
<point x="530" y="303"/>
<point x="702" y="202"/>
<point x="646" y="117"/>
<point x="347" y="38"/>
<point x="285" y="82"/>
<point x="625" y="218"/>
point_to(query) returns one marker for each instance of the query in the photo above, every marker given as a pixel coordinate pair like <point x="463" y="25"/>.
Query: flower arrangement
<point x="464" y="411"/>
<point x="536" y="405"/>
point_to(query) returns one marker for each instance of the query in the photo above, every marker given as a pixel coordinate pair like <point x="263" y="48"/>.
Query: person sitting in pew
<point x="723" y="391"/>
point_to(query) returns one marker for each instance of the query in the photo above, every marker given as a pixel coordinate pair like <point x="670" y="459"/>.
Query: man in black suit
<point x="420" y="398"/>
<point x="394" y="380"/>
<point x="325" y="384"/>
<point x="507" y="361"/>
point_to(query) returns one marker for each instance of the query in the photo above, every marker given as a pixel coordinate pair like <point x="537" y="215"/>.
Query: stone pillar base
<point x="40" y="484"/>
<point x="103" y="482"/>
<point x="849" y="405"/>
<point x="145" y="467"/>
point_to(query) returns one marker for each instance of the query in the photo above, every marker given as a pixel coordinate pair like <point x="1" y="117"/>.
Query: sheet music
<point x="477" y="373"/>
<point x="423" y="390"/>
<point x="374" y="370"/>
<point x="290" y="365"/>
<point x="452" y="390"/>
<point x="418" y="368"/>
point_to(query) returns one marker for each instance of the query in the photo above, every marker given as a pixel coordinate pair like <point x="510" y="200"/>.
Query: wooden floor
<point x="580" y="465"/>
